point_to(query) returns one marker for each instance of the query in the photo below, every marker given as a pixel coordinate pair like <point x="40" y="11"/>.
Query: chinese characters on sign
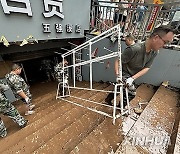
<point x="55" y="5"/>
<point x="56" y="8"/>
<point x="7" y="9"/>
<point x="52" y="8"/>
<point x="46" y="28"/>
<point x="69" y="28"/>
<point x="59" y="28"/>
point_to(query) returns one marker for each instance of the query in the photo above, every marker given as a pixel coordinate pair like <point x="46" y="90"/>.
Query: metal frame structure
<point x="112" y="31"/>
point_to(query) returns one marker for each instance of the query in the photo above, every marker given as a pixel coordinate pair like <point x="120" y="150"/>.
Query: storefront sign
<point x="56" y="17"/>
<point x="56" y="7"/>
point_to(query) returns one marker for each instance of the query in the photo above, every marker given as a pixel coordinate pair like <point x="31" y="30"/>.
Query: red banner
<point x="153" y="17"/>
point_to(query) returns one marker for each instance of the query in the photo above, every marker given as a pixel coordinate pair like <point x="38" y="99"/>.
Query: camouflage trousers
<point x="7" y="109"/>
<point x="3" y="131"/>
<point x="61" y="89"/>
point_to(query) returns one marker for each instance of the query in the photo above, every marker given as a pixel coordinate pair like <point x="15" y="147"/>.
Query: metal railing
<point x="91" y="59"/>
<point x="138" y="19"/>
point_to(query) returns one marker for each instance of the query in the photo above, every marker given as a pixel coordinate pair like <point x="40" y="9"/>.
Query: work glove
<point x="118" y="79"/>
<point x="129" y="81"/>
<point x="27" y="100"/>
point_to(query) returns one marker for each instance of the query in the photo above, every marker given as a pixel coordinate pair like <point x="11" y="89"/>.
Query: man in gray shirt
<point x="137" y="59"/>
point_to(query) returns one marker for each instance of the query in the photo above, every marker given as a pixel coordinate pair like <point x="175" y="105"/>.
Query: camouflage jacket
<point x="3" y="88"/>
<point x="17" y="84"/>
<point x="58" y="69"/>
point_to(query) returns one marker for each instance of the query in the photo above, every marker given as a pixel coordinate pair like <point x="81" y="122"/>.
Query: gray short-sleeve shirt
<point x="135" y="58"/>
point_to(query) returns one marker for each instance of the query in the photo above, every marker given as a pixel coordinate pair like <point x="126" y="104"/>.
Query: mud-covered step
<point x="106" y="136"/>
<point x="49" y="103"/>
<point x="50" y="106"/>
<point x="42" y="94"/>
<point x="13" y="127"/>
<point x="43" y="134"/>
<point x="174" y="147"/>
<point x="20" y="106"/>
<point x="34" y="126"/>
<point x="42" y="103"/>
<point x="67" y="139"/>
<point x="177" y="143"/>
<point x="41" y="118"/>
<point x="151" y="132"/>
<point x="44" y="98"/>
<point x="144" y="94"/>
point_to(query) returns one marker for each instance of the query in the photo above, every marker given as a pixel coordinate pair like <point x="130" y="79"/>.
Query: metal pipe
<point x="93" y="89"/>
<point x="74" y="69"/>
<point x="91" y="109"/>
<point x="94" y="102"/>
<point x="97" y="59"/>
<point x="90" y="68"/>
<point x="114" y="106"/>
<point x="91" y="40"/>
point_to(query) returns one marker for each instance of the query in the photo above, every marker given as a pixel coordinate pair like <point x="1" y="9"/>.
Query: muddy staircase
<point x="60" y="127"/>
<point x="155" y="130"/>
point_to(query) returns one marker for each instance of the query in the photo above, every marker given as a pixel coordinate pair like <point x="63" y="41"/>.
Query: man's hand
<point x="27" y="100"/>
<point x="118" y="79"/>
<point x="129" y="81"/>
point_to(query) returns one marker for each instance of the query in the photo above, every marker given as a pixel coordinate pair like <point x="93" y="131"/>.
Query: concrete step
<point x="61" y="108"/>
<point x="102" y="139"/>
<point x="174" y="147"/>
<point x="13" y="127"/>
<point x="177" y="144"/>
<point x="67" y="139"/>
<point x="53" y="127"/>
<point x="46" y="108"/>
<point x="108" y="136"/>
<point x="21" y="107"/>
<point x="42" y="103"/>
<point x="152" y="130"/>
<point x="47" y="96"/>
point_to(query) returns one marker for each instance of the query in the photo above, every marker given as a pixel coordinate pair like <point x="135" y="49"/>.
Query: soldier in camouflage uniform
<point x="46" y="67"/>
<point x="59" y="75"/>
<point x="7" y="109"/>
<point x="20" y="88"/>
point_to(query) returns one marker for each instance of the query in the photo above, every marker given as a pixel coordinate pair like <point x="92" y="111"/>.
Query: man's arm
<point x="140" y="73"/>
<point x="116" y="67"/>
<point x="22" y="94"/>
<point x="25" y="97"/>
<point x="135" y="76"/>
<point x="130" y="80"/>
